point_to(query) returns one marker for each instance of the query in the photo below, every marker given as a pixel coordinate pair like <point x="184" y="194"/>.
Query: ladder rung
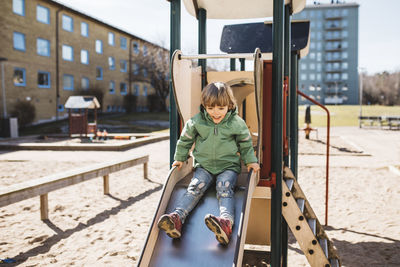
<point x="300" y="203"/>
<point x="334" y="262"/>
<point x="289" y="183"/>
<point x="324" y="245"/>
<point x="313" y="225"/>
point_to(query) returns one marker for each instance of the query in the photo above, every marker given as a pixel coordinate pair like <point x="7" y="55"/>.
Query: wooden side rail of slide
<point x="42" y="186"/>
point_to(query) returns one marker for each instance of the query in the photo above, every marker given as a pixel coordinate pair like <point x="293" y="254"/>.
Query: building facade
<point x="329" y="73"/>
<point x="49" y="52"/>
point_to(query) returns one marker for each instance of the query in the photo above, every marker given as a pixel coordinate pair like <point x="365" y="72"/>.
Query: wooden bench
<point x="42" y="186"/>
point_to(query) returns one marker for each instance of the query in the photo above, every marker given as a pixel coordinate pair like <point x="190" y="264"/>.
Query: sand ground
<point x="87" y="228"/>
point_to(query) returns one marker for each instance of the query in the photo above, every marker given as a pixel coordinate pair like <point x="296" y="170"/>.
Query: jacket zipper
<point x="215" y="133"/>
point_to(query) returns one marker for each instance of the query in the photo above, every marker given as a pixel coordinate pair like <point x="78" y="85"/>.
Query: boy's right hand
<point x="178" y="164"/>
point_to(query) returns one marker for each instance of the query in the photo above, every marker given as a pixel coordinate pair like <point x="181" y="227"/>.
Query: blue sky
<point x="379" y="27"/>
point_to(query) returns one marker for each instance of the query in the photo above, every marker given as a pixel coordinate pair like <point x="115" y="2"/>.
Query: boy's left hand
<point x="254" y="166"/>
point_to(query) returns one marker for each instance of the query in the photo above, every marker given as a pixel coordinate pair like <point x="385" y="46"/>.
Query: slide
<point x="198" y="246"/>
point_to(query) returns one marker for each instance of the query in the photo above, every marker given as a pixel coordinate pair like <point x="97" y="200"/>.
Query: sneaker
<point x="221" y="227"/>
<point x="171" y="224"/>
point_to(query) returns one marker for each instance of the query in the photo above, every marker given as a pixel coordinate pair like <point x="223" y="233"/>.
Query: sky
<point x="379" y="27"/>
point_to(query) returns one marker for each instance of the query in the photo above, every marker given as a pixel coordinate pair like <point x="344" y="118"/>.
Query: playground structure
<point x="78" y="113"/>
<point x="268" y="202"/>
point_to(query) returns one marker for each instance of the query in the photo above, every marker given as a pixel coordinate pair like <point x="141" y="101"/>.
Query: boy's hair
<point x="218" y="94"/>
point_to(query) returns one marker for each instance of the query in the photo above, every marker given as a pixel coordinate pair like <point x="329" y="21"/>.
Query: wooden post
<point x="44" y="207"/>
<point x="145" y="170"/>
<point x="106" y="184"/>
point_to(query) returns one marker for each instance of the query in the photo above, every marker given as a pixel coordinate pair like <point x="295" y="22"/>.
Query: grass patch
<point x="345" y="115"/>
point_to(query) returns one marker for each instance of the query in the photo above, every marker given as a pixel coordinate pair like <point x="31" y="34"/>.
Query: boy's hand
<point x="178" y="164"/>
<point x="253" y="166"/>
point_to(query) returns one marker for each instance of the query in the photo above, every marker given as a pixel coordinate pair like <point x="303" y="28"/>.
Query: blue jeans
<point x="201" y="181"/>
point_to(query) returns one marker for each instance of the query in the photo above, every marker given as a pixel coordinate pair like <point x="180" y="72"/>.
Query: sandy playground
<point x="87" y="228"/>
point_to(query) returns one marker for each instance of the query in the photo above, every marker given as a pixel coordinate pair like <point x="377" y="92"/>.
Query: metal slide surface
<point x="198" y="245"/>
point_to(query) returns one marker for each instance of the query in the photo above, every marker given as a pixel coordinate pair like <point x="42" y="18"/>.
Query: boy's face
<point x="217" y="113"/>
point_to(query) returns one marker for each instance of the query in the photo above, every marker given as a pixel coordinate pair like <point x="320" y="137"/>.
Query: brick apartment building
<point x="50" y="51"/>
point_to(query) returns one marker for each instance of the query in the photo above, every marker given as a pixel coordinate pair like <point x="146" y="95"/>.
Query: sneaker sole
<point x="168" y="227"/>
<point x="220" y="235"/>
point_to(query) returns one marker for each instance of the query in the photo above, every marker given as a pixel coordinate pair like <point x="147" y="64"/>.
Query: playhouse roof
<point x="89" y="102"/>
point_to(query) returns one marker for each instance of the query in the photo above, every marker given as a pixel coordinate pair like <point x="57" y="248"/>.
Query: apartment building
<point x="329" y="73"/>
<point x="50" y="51"/>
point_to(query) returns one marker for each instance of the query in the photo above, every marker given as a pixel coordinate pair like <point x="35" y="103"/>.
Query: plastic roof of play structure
<point x="233" y="9"/>
<point x="76" y="102"/>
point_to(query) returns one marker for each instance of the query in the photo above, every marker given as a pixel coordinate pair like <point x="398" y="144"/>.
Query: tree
<point x="382" y="88"/>
<point x="152" y="66"/>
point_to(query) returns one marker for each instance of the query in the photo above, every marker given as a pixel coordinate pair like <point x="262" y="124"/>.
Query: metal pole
<point x="287" y="48"/>
<point x="361" y="95"/>
<point x="233" y="64"/>
<point x="243" y="68"/>
<point x="3" y="87"/>
<point x="175" y="43"/>
<point x="277" y="126"/>
<point x="294" y="113"/>
<point x="202" y="19"/>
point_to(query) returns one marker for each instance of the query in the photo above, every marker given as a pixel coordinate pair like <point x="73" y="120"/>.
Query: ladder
<point x="305" y="226"/>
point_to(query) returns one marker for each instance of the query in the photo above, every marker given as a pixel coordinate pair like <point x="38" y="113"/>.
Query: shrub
<point x="130" y="103"/>
<point x="25" y="112"/>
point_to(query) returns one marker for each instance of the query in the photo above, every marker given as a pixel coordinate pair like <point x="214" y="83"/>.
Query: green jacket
<point x="216" y="145"/>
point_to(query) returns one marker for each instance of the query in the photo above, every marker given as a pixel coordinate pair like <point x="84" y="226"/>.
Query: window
<point x="144" y="90"/>
<point x="319" y="66"/>
<point x="67" y="53"/>
<point x="312" y="66"/>
<point x="345" y="76"/>
<point x="19" y="77"/>
<point x="99" y="73"/>
<point x="111" y="63"/>
<point x="311" y="87"/>
<point x="144" y="72"/>
<point x="303" y="77"/>
<point x="99" y="47"/>
<point x="144" y="50"/>
<point x="344" y="55"/>
<point x="60" y="108"/>
<point x="112" y="87"/>
<point x="312" y="55"/>
<point x="122" y="88"/>
<point x="123" y="43"/>
<point x="312" y="76"/>
<point x="136" y="48"/>
<point x="136" y="89"/>
<point x="303" y="66"/>
<point x="67" y="23"/>
<point x="319" y="77"/>
<point x="135" y="69"/>
<point x="84" y="29"/>
<point x="345" y="65"/>
<point x="43" y="79"/>
<point x="123" y="65"/>
<point x="84" y="57"/>
<point x="345" y="88"/>
<point x="43" y="14"/>
<point x="111" y="38"/>
<point x="68" y="82"/>
<point x="18" y="7"/>
<point x="19" y="41"/>
<point x="43" y="47"/>
<point x="319" y="56"/>
<point x="85" y="83"/>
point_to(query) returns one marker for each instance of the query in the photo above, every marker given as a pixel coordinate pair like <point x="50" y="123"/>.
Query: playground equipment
<point x="266" y="202"/>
